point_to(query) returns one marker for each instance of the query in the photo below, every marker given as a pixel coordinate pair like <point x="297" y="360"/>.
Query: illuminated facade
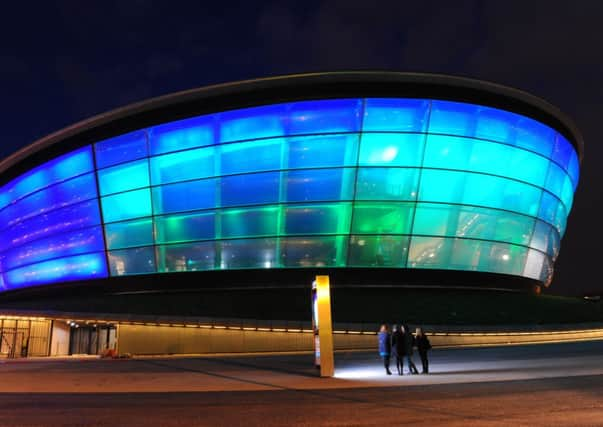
<point x="357" y="179"/>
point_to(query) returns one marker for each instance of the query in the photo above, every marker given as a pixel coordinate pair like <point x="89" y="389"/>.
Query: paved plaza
<point x="546" y="384"/>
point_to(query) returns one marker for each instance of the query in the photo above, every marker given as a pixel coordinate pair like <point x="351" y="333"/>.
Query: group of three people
<point x="399" y="345"/>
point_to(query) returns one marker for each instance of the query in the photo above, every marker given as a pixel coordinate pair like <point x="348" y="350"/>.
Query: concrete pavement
<point x="295" y="372"/>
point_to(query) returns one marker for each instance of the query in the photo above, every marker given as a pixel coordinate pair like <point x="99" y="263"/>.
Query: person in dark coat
<point x="408" y="344"/>
<point x="398" y="349"/>
<point x="385" y="346"/>
<point x="423" y="346"/>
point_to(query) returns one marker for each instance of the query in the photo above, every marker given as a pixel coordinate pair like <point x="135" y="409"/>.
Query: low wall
<point x="166" y="339"/>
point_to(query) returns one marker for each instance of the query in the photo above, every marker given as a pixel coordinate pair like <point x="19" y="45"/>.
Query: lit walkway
<point x="294" y="372"/>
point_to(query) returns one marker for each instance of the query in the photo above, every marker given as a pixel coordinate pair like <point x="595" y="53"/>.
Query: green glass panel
<point x="468" y="221"/>
<point x="132" y="261"/>
<point x="249" y="222"/>
<point x="382" y="218"/>
<point x="196" y="256"/>
<point x="325" y="251"/>
<point x="429" y="252"/>
<point x="466" y="254"/>
<point x="387" y="184"/>
<point x="391" y="149"/>
<point x="248" y="253"/>
<point x="185" y="227"/>
<point x="378" y="251"/>
<point x="129" y="233"/>
<point x="318" y="219"/>
<point x="132" y="204"/>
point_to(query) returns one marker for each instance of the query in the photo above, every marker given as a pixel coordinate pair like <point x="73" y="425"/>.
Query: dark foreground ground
<point x="548" y="402"/>
<point x="533" y="385"/>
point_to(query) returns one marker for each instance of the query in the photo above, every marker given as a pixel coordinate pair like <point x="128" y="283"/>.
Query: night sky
<point x="64" y="61"/>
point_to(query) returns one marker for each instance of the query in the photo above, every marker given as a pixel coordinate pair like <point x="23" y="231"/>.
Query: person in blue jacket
<point x="385" y="346"/>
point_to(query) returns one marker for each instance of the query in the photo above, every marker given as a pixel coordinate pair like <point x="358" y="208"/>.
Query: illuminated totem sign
<point x="322" y="326"/>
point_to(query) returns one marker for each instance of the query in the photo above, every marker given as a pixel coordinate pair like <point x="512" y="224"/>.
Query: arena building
<point x="375" y="178"/>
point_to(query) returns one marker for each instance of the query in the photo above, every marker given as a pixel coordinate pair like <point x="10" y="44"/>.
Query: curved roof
<point x="296" y="87"/>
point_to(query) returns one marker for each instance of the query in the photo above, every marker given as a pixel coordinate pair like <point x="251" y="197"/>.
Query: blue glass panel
<point x="562" y="151"/>
<point x="183" y="165"/>
<point x="315" y="251"/>
<point x="185" y="196"/>
<point x="249" y="253"/>
<point x="60" y="169"/>
<point x="132" y="204"/>
<point x="573" y="168"/>
<point x="481" y="190"/>
<point x="378" y="251"/>
<point x="548" y="207"/>
<point x="252" y="123"/>
<point x="318" y="219"/>
<point x="182" y="134"/>
<point x="323" y="151"/>
<point x="120" y="149"/>
<point x="56" y="222"/>
<point x="59" y="195"/>
<point x="320" y="184"/>
<point x="535" y="136"/>
<point x="126" y="234"/>
<point x="185" y="227"/>
<point x="251" y="156"/>
<point x="258" y="188"/>
<point x="391" y="149"/>
<point x="496" y="125"/>
<point x="186" y="257"/>
<point x="390" y="114"/>
<point x="453" y="118"/>
<point x="387" y="184"/>
<point x="79" y="267"/>
<point x="554" y="179"/>
<point x="339" y="115"/>
<point x="123" y="177"/>
<point x="451" y="152"/>
<point x="65" y="244"/>
<point x="567" y="193"/>
<point x="132" y="261"/>
<point x="250" y="222"/>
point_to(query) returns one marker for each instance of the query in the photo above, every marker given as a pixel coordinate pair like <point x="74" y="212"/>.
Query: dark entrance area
<point x="91" y="338"/>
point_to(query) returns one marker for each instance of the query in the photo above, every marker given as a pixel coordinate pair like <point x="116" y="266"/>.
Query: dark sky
<point x="64" y="61"/>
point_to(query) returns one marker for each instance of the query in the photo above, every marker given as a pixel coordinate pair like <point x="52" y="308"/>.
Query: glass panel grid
<point x="378" y="182"/>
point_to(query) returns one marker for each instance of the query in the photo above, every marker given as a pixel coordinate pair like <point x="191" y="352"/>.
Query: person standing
<point x="408" y="344"/>
<point x="398" y="349"/>
<point x="423" y="346"/>
<point x="385" y="346"/>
